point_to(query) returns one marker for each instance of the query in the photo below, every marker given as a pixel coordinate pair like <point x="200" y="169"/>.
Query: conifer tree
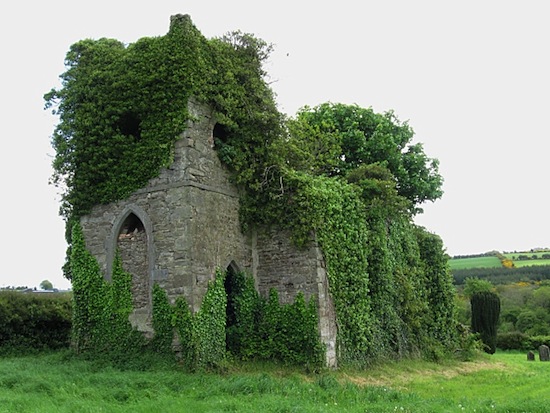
<point x="485" y="312"/>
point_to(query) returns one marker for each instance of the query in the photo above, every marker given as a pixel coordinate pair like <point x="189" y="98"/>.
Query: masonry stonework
<point x="184" y="224"/>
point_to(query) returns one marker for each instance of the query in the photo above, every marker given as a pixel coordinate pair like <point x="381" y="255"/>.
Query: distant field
<point x="515" y="255"/>
<point x="528" y="263"/>
<point x="477" y="262"/>
<point x="531" y="262"/>
<point x="494" y="262"/>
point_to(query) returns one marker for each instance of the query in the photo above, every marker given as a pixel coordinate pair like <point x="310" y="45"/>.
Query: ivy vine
<point x="121" y="108"/>
<point x="340" y="175"/>
<point x="100" y="323"/>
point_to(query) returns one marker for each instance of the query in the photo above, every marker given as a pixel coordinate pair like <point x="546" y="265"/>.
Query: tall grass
<point x="62" y="383"/>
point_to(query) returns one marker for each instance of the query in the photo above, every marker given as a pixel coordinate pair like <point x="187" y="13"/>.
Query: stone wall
<point x="279" y="264"/>
<point x="283" y="266"/>
<point x="186" y="225"/>
<point x="190" y="221"/>
<point x="133" y="253"/>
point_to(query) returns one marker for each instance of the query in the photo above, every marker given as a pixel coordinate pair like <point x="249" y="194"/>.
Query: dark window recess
<point x="233" y="288"/>
<point x="132" y="224"/>
<point x="129" y="124"/>
<point x="221" y="133"/>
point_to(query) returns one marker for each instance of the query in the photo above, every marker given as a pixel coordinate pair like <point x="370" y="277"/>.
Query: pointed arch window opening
<point x="131" y="226"/>
<point x="132" y="247"/>
<point x="220" y="133"/>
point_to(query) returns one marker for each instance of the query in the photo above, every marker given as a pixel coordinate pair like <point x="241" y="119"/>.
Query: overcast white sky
<point x="471" y="77"/>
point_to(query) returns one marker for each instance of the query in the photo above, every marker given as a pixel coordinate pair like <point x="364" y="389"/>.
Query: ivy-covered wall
<point x="189" y="224"/>
<point x="189" y="214"/>
<point x="181" y="134"/>
<point x="233" y="320"/>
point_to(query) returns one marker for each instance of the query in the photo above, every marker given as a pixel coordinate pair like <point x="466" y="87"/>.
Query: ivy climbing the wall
<point x="121" y="108"/>
<point x="100" y="308"/>
<point x="262" y="329"/>
<point x="351" y="180"/>
<point x="344" y="177"/>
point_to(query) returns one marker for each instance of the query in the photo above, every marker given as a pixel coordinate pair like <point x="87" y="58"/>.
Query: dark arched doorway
<point x="234" y="286"/>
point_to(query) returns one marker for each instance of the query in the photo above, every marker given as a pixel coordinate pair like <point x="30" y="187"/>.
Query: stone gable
<point x="184" y="224"/>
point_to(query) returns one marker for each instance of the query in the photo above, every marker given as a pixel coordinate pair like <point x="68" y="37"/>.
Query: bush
<point x="537" y="341"/>
<point x="525" y="320"/>
<point x="34" y="321"/>
<point x="513" y="341"/>
<point x="520" y="341"/>
<point x="470" y="345"/>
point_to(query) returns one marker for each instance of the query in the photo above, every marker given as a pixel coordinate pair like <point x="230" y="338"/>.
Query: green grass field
<point x="530" y="263"/>
<point x="514" y="255"/>
<point x="505" y="382"/>
<point x="477" y="262"/>
<point x="526" y="263"/>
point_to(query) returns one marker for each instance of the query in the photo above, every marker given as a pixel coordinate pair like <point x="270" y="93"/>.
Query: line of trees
<point x="503" y="275"/>
<point x="525" y="257"/>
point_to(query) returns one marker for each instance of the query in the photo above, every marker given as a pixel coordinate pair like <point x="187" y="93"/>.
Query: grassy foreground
<point x="505" y="382"/>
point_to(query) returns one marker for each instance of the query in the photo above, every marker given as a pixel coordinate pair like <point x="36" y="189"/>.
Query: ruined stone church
<point x="184" y="224"/>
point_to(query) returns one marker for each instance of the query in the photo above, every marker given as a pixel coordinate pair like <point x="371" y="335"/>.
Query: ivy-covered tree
<point x="354" y="177"/>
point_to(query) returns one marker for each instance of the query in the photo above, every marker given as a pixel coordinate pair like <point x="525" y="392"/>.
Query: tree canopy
<point x="340" y="140"/>
<point x="474" y="285"/>
<point x="46" y="285"/>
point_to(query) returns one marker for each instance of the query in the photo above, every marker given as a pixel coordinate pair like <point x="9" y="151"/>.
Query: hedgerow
<point x="503" y="275"/>
<point x="520" y="341"/>
<point x="31" y="322"/>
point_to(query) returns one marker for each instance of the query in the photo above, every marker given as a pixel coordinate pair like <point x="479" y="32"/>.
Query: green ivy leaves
<point x="345" y="175"/>
<point x="262" y="329"/>
<point x="100" y="309"/>
<point x="102" y="157"/>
